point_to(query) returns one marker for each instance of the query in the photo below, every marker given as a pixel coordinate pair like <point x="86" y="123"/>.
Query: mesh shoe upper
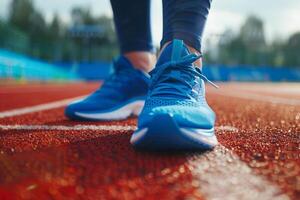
<point x="124" y="84"/>
<point x="177" y="88"/>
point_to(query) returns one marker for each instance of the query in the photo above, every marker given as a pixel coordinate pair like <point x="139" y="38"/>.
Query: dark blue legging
<point x="182" y="19"/>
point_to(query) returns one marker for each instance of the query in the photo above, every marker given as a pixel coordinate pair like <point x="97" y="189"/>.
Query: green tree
<point x="52" y="41"/>
<point x="252" y="33"/>
<point x="12" y="38"/>
<point x="100" y="47"/>
<point x="20" y="13"/>
<point x="55" y="28"/>
<point x="247" y="47"/>
<point x="292" y="50"/>
<point x="82" y="16"/>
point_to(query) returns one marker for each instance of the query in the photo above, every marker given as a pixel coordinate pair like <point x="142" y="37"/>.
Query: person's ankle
<point x="197" y="63"/>
<point x="141" y="60"/>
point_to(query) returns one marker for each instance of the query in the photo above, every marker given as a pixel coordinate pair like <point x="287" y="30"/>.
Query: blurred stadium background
<point x="46" y="40"/>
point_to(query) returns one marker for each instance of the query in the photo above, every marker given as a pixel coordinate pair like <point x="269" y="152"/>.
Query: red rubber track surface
<point x="17" y="96"/>
<point x="94" y="164"/>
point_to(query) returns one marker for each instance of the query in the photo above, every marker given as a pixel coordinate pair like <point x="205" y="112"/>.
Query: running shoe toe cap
<point x="199" y="117"/>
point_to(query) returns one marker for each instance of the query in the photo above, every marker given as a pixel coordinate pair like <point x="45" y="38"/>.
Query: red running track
<point x="42" y="155"/>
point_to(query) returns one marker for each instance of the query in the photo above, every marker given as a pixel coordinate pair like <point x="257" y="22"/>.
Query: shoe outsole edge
<point x="132" y="108"/>
<point x="163" y="133"/>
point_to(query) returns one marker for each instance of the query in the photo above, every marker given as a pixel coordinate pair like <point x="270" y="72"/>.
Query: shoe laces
<point x="180" y="71"/>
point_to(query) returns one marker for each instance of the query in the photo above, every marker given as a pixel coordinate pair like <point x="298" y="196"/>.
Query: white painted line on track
<point x="277" y="90"/>
<point x="257" y="97"/>
<point x="227" y="128"/>
<point x="221" y="175"/>
<point x="89" y="127"/>
<point x="40" y="107"/>
<point x="69" y="128"/>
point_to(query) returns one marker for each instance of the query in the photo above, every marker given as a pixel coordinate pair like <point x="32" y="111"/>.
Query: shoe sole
<point x="132" y="108"/>
<point x="163" y="133"/>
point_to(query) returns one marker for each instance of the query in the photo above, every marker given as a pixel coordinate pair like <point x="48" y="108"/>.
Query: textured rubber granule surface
<point x="101" y="165"/>
<point x="268" y="138"/>
<point x="93" y="164"/>
<point x="16" y="96"/>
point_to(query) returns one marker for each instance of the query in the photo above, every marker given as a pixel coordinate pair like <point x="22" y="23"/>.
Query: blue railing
<point x="251" y="73"/>
<point x="100" y="70"/>
<point x="17" y="66"/>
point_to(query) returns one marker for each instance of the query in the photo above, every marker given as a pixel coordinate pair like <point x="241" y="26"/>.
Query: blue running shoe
<point x="176" y="115"/>
<point x="123" y="94"/>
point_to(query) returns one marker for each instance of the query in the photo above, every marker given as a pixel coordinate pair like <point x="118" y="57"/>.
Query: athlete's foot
<point x="142" y="60"/>
<point x="176" y="114"/>
<point x="122" y="95"/>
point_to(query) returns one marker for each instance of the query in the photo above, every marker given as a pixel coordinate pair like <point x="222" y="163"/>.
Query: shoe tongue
<point x="173" y="52"/>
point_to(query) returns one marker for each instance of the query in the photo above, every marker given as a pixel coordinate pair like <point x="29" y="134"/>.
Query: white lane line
<point x="221" y="175"/>
<point x="276" y="90"/>
<point x="88" y="127"/>
<point x="227" y="128"/>
<point x="69" y="128"/>
<point x="40" y="107"/>
<point x="257" y="97"/>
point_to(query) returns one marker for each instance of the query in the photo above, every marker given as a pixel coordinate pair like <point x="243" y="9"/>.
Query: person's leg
<point x="132" y="22"/>
<point x="176" y="114"/>
<point x="185" y="20"/>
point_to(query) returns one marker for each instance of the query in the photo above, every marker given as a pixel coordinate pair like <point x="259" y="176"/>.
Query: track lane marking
<point x="69" y="128"/>
<point x="40" y="107"/>
<point x="217" y="174"/>
<point x="80" y="127"/>
<point x="258" y="97"/>
<point x="221" y="175"/>
<point x="227" y="128"/>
